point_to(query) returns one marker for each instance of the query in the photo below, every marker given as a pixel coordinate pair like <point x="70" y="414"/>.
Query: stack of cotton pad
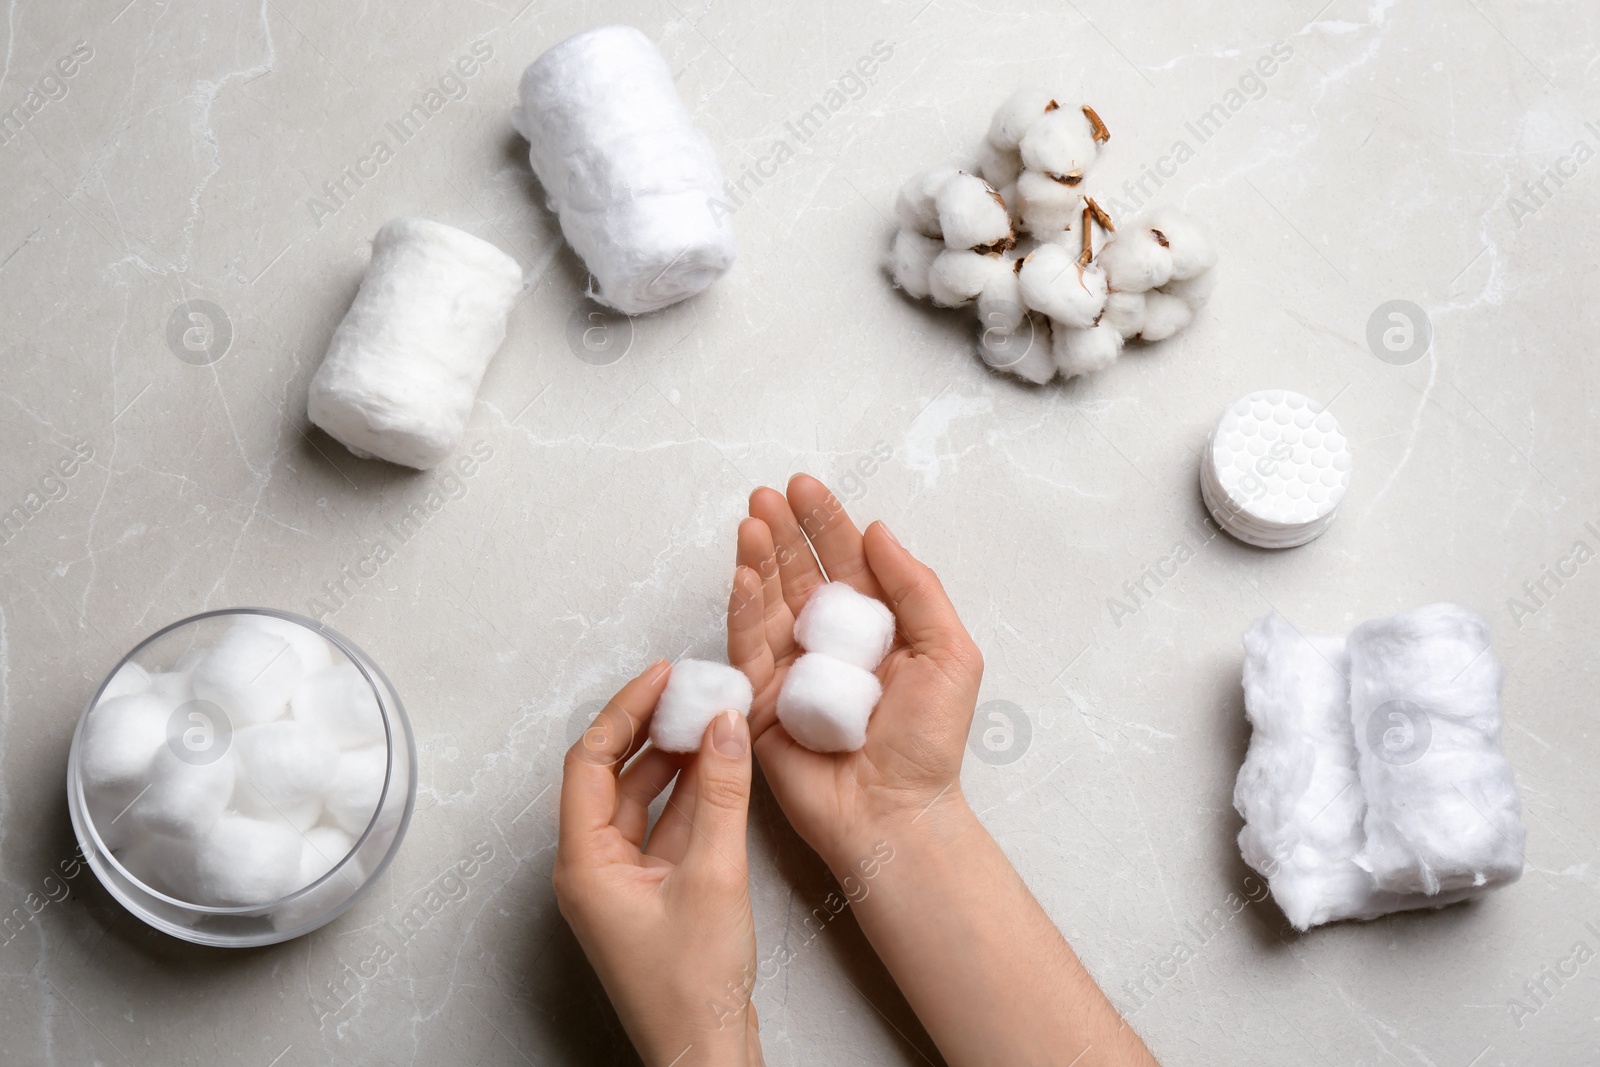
<point x="1375" y="781"/>
<point x="245" y="772"/>
<point x="1058" y="285"/>
<point x="697" y="691"/>
<point x="830" y="692"/>
<point x="1274" y="470"/>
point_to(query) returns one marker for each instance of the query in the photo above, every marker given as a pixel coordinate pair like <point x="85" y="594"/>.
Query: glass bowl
<point x="242" y="777"/>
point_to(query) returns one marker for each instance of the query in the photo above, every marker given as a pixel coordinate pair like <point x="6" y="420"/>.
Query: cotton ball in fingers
<point x="999" y="166"/>
<point x="321" y="850"/>
<point x="242" y="862"/>
<point x="249" y="673"/>
<point x="697" y="691"/>
<point x="1194" y="291"/>
<point x="848" y="625"/>
<point x="915" y="207"/>
<point x="1012" y="121"/>
<point x="282" y="766"/>
<point x="1084" y="350"/>
<point x="1164" y="316"/>
<point x="1023" y="352"/>
<point x="357" y="787"/>
<point x="1136" y="259"/>
<point x="1054" y="284"/>
<point x="120" y="739"/>
<point x="1124" y="312"/>
<point x="958" y="277"/>
<point x="314" y="651"/>
<point x="911" y="259"/>
<point x="1186" y="241"/>
<point x="1047" y="206"/>
<point x="972" y="215"/>
<point x="1061" y="143"/>
<point x="825" y="703"/>
<point x="340" y="700"/>
<point x="184" y="799"/>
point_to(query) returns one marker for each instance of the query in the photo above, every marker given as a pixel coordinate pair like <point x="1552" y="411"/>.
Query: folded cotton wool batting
<point x="829" y="693"/>
<point x="1367" y="757"/>
<point x="697" y="691"/>
<point x="404" y="366"/>
<point x="636" y="187"/>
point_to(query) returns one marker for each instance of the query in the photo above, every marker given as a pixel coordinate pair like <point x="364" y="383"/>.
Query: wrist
<point x="942" y="822"/>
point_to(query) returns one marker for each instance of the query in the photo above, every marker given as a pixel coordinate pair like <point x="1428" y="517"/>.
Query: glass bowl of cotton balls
<point x="242" y="777"/>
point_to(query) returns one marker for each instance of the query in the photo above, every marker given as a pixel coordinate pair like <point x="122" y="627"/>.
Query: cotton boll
<point x="249" y="674"/>
<point x="1008" y="193"/>
<point x="1017" y="115"/>
<point x="283" y="765"/>
<point x="825" y="703"/>
<point x="341" y="701"/>
<point x="916" y="207"/>
<point x="243" y="862"/>
<point x="911" y="259"/>
<point x="183" y="799"/>
<point x="314" y="651"/>
<point x="1186" y="242"/>
<point x="1124" y="312"/>
<point x="999" y="166"/>
<point x="1054" y="284"/>
<point x="1135" y="260"/>
<point x="972" y="215"/>
<point x="321" y="849"/>
<point x="958" y="277"/>
<point x="1164" y="316"/>
<point x="1060" y="143"/>
<point x="1023" y="352"/>
<point x="697" y="691"/>
<point x="848" y="625"/>
<point x="357" y="786"/>
<point x="1084" y="350"/>
<point x="121" y="738"/>
<point x="1000" y="302"/>
<point x="1193" y="291"/>
<point x="1047" y="207"/>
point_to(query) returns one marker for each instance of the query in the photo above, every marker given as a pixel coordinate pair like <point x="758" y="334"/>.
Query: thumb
<point x="716" y="848"/>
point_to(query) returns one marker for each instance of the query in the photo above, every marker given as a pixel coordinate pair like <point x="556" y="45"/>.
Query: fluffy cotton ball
<point x="911" y="259"/>
<point x="1084" y="350"/>
<point x="1000" y="303"/>
<point x="174" y="686"/>
<point x="1164" y="316"/>
<point x="1017" y="114"/>
<point x="1023" y="352"/>
<point x="130" y="678"/>
<point x="249" y="674"/>
<point x="1135" y="259"/>
<point x="165" y="864"/>
<point x="1124" y="312"/>
<point x="282" y="765"/>
<point x="999" y="166"/>
<point x="340" y="700"/>
<point x="958" y="277"/>
<point x="314" y="651"/>
<point x="1054" y="284"/>
<point x="1195" y="290"/>
<point x="916" y="208"/>
<point x="1186" y="242"/>
<point x="825" y="703"/>
<point x="120" y="739"/>
<point x="357" y="786"/>
<point x="697" y="691"/>
<point x="244" y="862"/>
<point x="1060" y="143"/>
<point x="1047" y="207"/>
<point x="183" y="799"/>
<point x="972" y="215"/>
<point x="848" y="625"/>
<point x="321" y="850"/>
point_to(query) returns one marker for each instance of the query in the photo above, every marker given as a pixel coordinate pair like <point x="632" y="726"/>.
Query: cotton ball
<point x="249" y="673"/>
<point x="244" y="862"/>
<point x="1054" y="284"/>
<point x="1017" y="114"/>
<point x="999" y="166"/>
<point x="911" y="259"/>
<point x="165" y="864"/>
<point x="282" y="767"/>
<point x="915" y="207"/>
<point x="175" y="687"/>
<point x="1124" y="312"/>
<point x="1194" y="291"/>
<point x="130" y="678"/>
<point x="183" y="799"/>
<point x="341" y="701"/>
<point x="120" y="739"/>
<point x="972" y="215"/>
<point x="321" y="850"/>
<point x="1084" y="350"/>
<point x="1164" y="316"/>
<point x="958" y="277"/>
<point x="1047" y="206"/>
<point x="314" y="651"/>
<point x="1136" y="259"/>
<point x="357" y="787"/>
<point x="848" y="625"/>
<point x="1186" y="242"/>
<point x="697" y="691"/>
<point x="1023" y="352"/>
<point x="1060" y="143"/>
<point x="825" y="703"/>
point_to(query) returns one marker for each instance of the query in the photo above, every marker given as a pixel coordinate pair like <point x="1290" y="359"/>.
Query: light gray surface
<point x="1378" y="164"/>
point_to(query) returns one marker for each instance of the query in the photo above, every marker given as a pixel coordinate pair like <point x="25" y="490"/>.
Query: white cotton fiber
<point x="697" y="691"/>
<point x="1025" y="107"/>
<point x="636" y="187"/>
<point x="916" y="206"/>
<point x="243" y="862"/>
<point x="1135" y="260"/>
<point x="249" y="674"/>
<point x="356" y="788"/>
<point x="165" y="864"/>
<point x="1000" y="306"/>
<point x="1163" y="316"/>
<point x="320" y="851"/>
<point x="1084" y="349"/>
<point x="130" y="678"/>
<point x="314" y="651"/>
<point x="972" y="215"/>
<point x="911" y="260"/>
<point x="1443" y="811"/>
<point x="825" y="703"/>
<point x="403" y="369"/>
<point x="1047" y="207"/>
<point x="840" y="622"/>
<point x="183" y="799"/>
<point x="282" y="766"/>
<point x="340" y="700"/>
<point x="1054" y="284"/>
<point x="1187" y="242"/>
<point x="121" y="738"/>
<point x="958" y="277"/>
<point x="1124" y="312"/>
<point x="999" y="166"/>
<point x="1060" y="143"/>
<point x="1193" y="291"/>
<point x="1023" y="352"/>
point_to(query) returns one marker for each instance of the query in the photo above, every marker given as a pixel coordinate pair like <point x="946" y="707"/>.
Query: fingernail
<point x="728" y="735"/>
<point x="890" y="532"/>
<point x="655" y="672"/>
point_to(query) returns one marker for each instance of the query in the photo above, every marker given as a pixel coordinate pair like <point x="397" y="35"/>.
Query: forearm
<point x="986" y="971"/>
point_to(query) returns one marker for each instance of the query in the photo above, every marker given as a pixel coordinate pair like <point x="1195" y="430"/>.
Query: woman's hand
<point x="842" y="803"/>
<point x="666" y="925"/>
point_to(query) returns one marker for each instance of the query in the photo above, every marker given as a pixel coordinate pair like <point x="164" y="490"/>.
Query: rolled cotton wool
<point x="697" y="691"/>
<point x="636" y="187"/>
<point x="404" y="366"/>
<point x="243" y="862"/>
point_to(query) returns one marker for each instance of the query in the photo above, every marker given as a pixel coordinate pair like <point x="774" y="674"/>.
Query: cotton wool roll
<point x="972" y="215"/>
<point x="916" y="206"/>
<point x="183" y="799"/>
<point x="1084" y="349"/>
<point x="848" y="625"/>
<point x="911" y="260"/>
<point x="249" y="674"/>
<point x="697" y="691"/>
<point x="1014" y="117"/>
<point x="403" y="369"/>
<point x="825" y="703"/>
<point x="245" y="862"/>
<point x="1444" y="814"/>
<point x="282" y="766"/>
<point x="340" y="700"/>
<point x="958" y="277"/>
<point x="121" y="738"/>
<point x="1023" y="352"/>
<point x="1054" y="284"/>
<point x="1163" y="316"/>
<point x="634" y="184"/>
<point x="1060" y="143"/>
<point x="357" y="788"/>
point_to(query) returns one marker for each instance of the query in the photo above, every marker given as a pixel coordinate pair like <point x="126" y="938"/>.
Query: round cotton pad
<point x="1275" y="469"/>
